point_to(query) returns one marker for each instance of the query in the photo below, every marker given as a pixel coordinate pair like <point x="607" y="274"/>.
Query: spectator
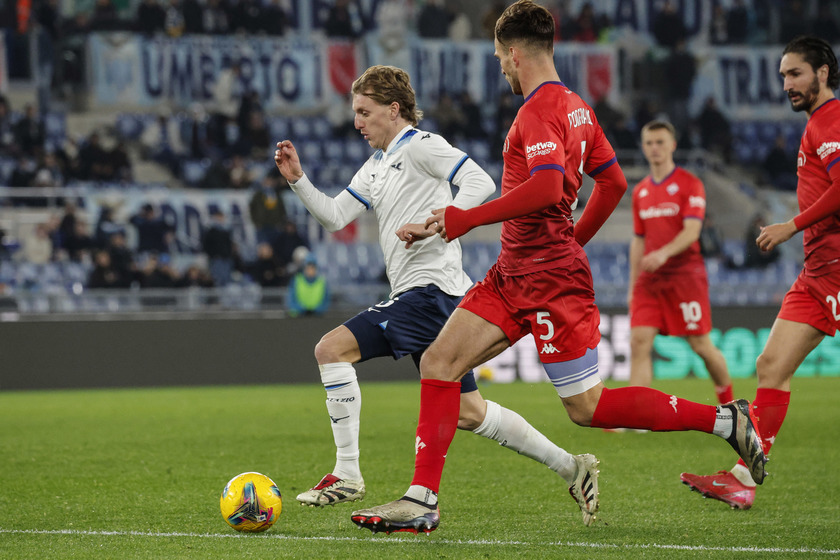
<point x="37" y="247"/>
<point x="779" y="167"/>
<point x="48" y="173"/>
<point x="341" y="118"/>
<point x="737" y="23"/>
<point x="286" y="245"/>
<point x="825" y="25"/>
<point x="29" y="132"/>
<point x="240" y="176"/>
<point x="794" y="21"/>
<point x="719" y="26"/>
<point x="433" y="20"/>
<point x="224" y="108"/>
<point x="680" y="70"/>
<point x="308" y="293"/>
<point x="173" y="22"/>
<point x="79" y="244"/>
<point x="711" y="240"/>
<point x="122" y="259"/>
<point x="150" y="17"/>
<point x="755" y="257"/>
<point x="255" y="140"/>
<point x="194" y="277"/>
<point x="193" y="17"/>
<point x="157" y="272"/>
<point x="106" y="226"/>
<point x="161" y="142"/>
<point x="120" y="163"/>
<point x="152" y="231"/>
<point x="449" y="118"/>
<point x="268" y="213"/>
<point x="715" y="130"/>
<point x="274" y="22"/>
<point x="103" y="275"/>
<point x="266" y="270"/>
<point x="8" y="146"/>
<point x="343" y="21"/>
<point x="217" y="243"/>
<point x="668" y="26"/>
<point x="473" y="120"/>
<point x="585" y="27"/>
<point x="94" y="161"/>
<point x="489" y="18"/>
<point x="214" y="18"/>
<point x="22" y="175"/>
<point x="621" y="137"/>
<point x="105" y="17"/>
<point x="247" y="17"/>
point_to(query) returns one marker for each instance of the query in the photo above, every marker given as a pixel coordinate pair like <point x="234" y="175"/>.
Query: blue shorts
<point x="405" y="325"/>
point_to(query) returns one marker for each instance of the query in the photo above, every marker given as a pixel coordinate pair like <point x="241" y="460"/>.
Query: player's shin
<point x="344" y="405"/>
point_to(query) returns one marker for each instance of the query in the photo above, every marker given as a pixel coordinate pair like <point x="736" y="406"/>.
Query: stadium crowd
<point x="227" y="142"/>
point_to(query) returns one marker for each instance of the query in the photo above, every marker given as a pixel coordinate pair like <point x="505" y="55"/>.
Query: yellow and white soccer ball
<point x="251" y="502"/>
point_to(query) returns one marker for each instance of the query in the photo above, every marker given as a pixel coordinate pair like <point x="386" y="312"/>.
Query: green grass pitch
<point x="138" y="474"/>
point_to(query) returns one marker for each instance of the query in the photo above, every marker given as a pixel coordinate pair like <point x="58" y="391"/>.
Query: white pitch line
<point x="420" y="540"/>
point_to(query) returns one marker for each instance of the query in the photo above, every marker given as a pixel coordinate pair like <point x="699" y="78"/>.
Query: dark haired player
<point x="541" y="283"/>
<point x="810" y="309"/>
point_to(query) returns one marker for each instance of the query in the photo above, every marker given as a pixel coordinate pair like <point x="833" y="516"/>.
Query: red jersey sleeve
<point x="694" y="205"/>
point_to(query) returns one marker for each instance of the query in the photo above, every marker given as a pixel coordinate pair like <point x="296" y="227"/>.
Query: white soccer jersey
<point x="402" y="185"/>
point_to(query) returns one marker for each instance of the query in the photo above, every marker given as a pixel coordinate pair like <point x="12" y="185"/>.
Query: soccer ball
<point x="251" y="502"/>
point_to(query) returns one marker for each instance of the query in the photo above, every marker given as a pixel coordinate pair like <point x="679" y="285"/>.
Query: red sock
<point x="770" y="407"/>
<point x="724" y="394"/>
<point x="440" y="404"/>
<point x="643" y="408"/>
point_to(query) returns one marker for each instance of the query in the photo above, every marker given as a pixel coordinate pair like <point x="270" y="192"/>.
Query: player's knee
<point x="434" y="366"/>
<point x="326" y="352"/>
<point x="468" y="421"/>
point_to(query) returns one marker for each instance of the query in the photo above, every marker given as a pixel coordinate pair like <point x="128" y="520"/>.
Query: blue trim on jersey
<point x="377" y="155"/>
<point x="548" y="166"/>
<point x="602" y="167"/>
<point x="404" y="139"/>
<point x="541" y="85"/>
<point x="830" y="165"/>
<point x="359" y="197"/>
<point x="457" y="167"/>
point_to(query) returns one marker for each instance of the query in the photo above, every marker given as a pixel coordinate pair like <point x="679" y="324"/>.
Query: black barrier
<point x="224" y="350"/>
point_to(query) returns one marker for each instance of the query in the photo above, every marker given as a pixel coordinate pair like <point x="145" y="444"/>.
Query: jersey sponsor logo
<point x="827" y="148"/>
<point x="665" y="210"/>
<point x="801" y="159"/>
<point x="507" y="145"/>
<point x="697" y="201"/>
<point x="540" y="149"/>
<point x="672" y="189"/>
<point x="579" y="117"/>
<point x="548" y="348"/>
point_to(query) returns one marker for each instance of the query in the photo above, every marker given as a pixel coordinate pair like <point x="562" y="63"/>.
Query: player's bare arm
<point x="287" y="161"/>
<point x="775" y="234"/>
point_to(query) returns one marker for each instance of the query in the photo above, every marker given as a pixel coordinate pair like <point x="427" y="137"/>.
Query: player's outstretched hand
<point x="287" y="161"/>
<point x="437" y="223"/>
<point x="775" y="234"/>
<point x="413" y="232"/>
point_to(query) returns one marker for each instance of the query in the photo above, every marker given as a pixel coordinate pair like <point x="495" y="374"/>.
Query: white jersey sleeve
<point x="332" y="213"/>
<point x="440" y="159"/>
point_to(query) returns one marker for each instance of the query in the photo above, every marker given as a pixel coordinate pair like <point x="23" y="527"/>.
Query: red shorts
<point x="813" y="300"/>
<point x="676" y="305"/>
<point x="556" y="305"/>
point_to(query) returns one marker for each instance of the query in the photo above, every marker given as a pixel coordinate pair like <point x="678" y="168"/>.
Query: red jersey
<point x="658" y="213"/>
<point x="554" y="129"/>
<point x="817" y="167"/>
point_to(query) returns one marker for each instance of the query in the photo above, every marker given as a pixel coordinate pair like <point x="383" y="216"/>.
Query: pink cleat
<point x="721" y="486"/>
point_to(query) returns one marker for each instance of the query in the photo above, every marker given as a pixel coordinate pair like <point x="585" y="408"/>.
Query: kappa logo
<point x="673" y="402"/>
<point x="549" y="348"/>
<point x="418" y="445"/>
<point x="397" y="166"/>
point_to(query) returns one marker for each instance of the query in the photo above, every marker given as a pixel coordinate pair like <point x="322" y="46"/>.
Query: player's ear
<point x="394" y="110"/>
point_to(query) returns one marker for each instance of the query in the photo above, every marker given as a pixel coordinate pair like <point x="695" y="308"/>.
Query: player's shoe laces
<point x="745" y="439"/>
<point x="333" y="490"/>
<point x="723" y="486"/>
<point x="584" y="489"/>
<point x="404" y="515"/>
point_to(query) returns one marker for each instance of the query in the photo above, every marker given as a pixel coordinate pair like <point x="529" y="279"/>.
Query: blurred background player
<point x="810" y="309"/>
<point x="541" y="283"/>
<point x="408" y="175"/>
<point x="669" y="291"/>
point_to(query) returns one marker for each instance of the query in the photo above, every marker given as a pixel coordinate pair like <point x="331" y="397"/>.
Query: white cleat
<point x="332" y="490"/>
<point x="584" y="489"/>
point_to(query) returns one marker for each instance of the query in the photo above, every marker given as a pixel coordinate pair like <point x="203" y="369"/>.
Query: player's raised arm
<point x="287" y="161"/>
